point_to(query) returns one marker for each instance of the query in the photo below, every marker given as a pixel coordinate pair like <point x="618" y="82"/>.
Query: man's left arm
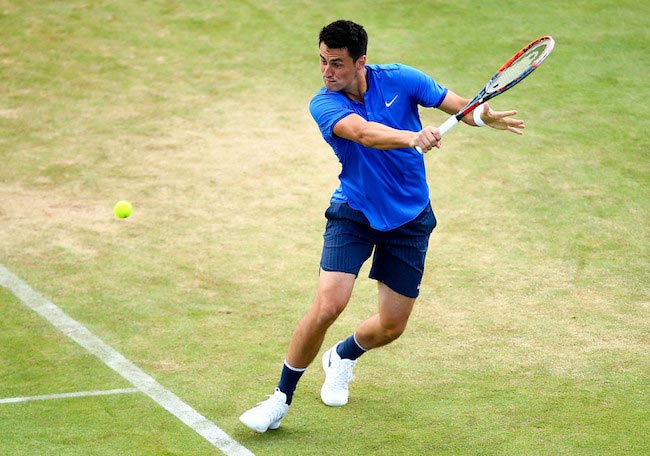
<point x="501" y="120"/>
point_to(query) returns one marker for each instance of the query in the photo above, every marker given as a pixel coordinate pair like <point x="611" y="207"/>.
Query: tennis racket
<point x="510" y="74"/>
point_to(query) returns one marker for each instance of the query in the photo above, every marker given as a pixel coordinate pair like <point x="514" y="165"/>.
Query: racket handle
<point x="444" y="128"/>
<point x="448" y="125"/>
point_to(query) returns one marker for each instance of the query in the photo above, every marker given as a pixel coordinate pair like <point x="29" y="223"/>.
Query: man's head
<point x="345" y="35"/>
<point x="343" y="56"/>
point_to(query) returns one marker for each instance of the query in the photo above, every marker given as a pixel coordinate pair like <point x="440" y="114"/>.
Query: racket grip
<point x="444" y="128"/>
<point x="448" y="125"/>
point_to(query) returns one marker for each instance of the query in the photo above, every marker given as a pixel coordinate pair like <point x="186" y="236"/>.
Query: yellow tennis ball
<point x="122" y="209"/>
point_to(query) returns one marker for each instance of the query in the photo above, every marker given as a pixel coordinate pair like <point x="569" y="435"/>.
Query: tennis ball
<point x="122" y="209"/>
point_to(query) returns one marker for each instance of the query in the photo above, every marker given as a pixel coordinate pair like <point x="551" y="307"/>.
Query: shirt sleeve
<point x="327" y="108"/>
<point x="425" y="90"/>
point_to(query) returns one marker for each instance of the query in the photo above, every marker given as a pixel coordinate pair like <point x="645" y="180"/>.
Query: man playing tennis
<point x="368" y="114"/>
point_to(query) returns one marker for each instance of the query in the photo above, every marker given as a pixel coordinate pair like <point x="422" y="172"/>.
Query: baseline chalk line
<point x="129" y="371"/>
<point x="47" y="397"/>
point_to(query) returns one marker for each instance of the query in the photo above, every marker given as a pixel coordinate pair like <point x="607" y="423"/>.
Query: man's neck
<point x="359" y="89"/>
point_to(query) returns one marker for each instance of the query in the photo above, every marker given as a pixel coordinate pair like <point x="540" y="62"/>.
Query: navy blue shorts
<point x="399" y="255"/>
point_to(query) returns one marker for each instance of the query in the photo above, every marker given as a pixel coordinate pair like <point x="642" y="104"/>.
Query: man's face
<point x="338" y="69"/>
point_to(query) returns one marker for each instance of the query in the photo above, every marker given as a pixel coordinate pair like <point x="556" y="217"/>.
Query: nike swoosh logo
<point x="389" y="103"/>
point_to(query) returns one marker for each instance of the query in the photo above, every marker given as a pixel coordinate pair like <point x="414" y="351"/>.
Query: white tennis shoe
<point x="267" y="414"/>
<point x="338" y="373"/>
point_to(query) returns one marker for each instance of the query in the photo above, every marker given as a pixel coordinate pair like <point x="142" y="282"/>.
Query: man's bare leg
<point x="387" y="325"/>
<point x="333" y="295"/>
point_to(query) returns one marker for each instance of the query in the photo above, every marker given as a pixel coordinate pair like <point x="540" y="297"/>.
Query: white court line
<point x="113" y="359"/>
<point x="47" y="397"/>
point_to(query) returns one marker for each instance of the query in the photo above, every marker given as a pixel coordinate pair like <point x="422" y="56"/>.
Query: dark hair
<point x="345" y="34"/>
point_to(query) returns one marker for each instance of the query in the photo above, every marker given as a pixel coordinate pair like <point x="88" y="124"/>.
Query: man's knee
<point x="334" y="291"/>
<point x="326" y="311"/>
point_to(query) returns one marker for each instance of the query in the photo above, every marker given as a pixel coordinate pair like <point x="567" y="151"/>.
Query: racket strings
<point x="518" y="68"/>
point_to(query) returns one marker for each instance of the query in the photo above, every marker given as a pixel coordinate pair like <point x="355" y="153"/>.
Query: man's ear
<point x="361" y="62"/>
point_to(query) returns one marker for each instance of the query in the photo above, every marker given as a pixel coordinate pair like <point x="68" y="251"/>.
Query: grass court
<point x="530" y="336"/>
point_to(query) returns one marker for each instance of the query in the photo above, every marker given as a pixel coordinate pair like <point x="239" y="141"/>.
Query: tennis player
<point x="368" y="114"/>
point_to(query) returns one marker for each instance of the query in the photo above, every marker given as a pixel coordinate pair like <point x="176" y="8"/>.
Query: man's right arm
<point x="379" y="136"/>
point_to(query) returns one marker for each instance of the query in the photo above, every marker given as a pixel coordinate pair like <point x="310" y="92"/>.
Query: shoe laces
<point x="274" y="406"/>
<point x="343" y="373"/>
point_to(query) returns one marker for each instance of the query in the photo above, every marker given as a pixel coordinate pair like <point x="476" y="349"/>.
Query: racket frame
<point x="485" y="94"/>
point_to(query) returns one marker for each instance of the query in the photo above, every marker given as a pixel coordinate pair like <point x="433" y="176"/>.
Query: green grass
<point x="530" y="336"/>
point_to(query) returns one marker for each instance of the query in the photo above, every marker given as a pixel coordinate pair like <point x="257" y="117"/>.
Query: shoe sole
<point x="252" y="428"/>
<point x="272" y="427"/>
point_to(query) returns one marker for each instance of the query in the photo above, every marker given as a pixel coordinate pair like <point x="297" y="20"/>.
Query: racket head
<point x="519" y="66"/>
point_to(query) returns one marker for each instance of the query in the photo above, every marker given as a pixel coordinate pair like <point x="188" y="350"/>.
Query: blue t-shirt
<point x="388" y="186"/>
